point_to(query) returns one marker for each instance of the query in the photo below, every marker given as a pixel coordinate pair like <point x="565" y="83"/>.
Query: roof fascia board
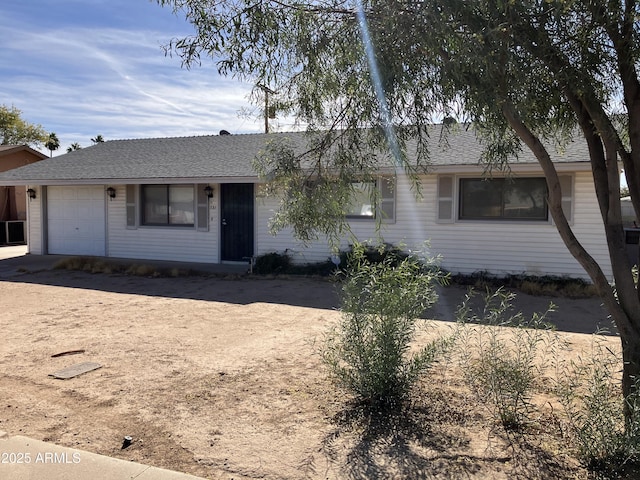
<point x="514" y="167"/>
<point x="128" y="181"/>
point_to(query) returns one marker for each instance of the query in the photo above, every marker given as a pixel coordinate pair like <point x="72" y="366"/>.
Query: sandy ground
<point x="220" y="378"/>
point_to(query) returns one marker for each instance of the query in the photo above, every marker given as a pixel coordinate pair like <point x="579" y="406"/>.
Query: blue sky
<point x="85" y="67"/>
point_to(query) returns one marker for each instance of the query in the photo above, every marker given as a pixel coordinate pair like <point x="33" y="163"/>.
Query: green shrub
<point x="501" y="356"/>
<point x="271" y="263"/>
<point x="368" y="352"/>
<point x="378" y="254"/>
<point x="590" y="392"/>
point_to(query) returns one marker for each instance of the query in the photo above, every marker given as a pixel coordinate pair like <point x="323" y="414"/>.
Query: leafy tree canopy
<point x="16" y="131"/>
<point x="397" y="66"/>
<point x="374" y="74"/>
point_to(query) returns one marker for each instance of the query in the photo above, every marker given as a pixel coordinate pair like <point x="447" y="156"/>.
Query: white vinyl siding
<point x="465" y="247"/>
<point x="522" y="247"/>
<point x="35" y="243"/>
<point x="157" y="242"/>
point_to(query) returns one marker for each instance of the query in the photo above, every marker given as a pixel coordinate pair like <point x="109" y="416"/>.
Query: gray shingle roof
<point x="212" y="157"/>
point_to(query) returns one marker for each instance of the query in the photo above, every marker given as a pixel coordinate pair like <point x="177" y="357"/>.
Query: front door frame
<point x="237" y="222"/>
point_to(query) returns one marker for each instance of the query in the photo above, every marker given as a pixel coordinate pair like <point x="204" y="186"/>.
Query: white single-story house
<point x="197" y="199"/>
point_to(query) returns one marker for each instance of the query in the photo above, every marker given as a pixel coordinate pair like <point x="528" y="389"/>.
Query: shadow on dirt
<point x="431" y="440"/>
<point x="230" y="284"/>
<point x="300" y="292"/>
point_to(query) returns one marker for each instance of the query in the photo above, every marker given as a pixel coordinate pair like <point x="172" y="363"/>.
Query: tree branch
<point x="564" y="229"/>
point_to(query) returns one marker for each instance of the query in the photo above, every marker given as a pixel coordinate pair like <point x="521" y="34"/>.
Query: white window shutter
<point x="387" y="198"/>
<point x="131" y="207"/>
<point x="445" y="212"/>
<point x="202" y="209"/>
<point x="566" y="186"/>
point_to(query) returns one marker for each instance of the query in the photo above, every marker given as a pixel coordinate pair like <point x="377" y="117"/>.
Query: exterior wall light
<point x="111" y="192"/>
<point x="32" y="193"/>
<point x="208" y="190"/>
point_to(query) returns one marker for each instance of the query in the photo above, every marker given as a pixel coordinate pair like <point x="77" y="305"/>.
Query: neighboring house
<point x="13" y="205"/>
<point x="149" y="199"/>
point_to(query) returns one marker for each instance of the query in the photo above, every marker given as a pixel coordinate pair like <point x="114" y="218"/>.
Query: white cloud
<point x="79" y="82"/>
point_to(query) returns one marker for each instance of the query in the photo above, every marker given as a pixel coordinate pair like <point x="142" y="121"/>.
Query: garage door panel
<point x="76" y="220"/>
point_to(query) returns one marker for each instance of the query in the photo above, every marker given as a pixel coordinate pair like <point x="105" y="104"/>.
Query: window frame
<point x="386" y="197"/>
<point x="502" y="217"/>
<point x="143" y="203"/>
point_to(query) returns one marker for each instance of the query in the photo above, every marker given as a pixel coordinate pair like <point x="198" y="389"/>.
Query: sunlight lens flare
<point x="418" y="234"/>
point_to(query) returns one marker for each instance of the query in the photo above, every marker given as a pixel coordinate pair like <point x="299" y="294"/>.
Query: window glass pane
<point x="387" y="208"/>
<point x="525" y="198"/>
<point x="445" y="187"/>
<point x="360" y="205"/>
<point x="500" y="198"/>
<point x="154" y="201"/>
<point x="181" y="205"/>
<point x="386" y="188"/>
<point x="480" y="198"/>
<point x="168" y="205"/>
<point x="444" y="209"/>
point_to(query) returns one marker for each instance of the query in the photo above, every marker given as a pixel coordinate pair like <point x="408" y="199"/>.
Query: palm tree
<point x="73" y="146"/>
<point x="52" y="143"/>
<point x="98" y="139"/>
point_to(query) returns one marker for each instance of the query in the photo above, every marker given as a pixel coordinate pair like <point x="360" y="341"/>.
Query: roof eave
<point x="128" y="181"/>
<point x="20" y="148"/>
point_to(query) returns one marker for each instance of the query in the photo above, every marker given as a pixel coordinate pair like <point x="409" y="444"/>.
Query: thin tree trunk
<point x="627" y="317"/>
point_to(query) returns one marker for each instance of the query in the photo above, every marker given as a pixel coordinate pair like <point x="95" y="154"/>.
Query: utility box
<point x="632" y="239"/>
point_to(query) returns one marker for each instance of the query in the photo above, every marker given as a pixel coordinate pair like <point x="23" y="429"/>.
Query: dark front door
<point x="236" y="221"/>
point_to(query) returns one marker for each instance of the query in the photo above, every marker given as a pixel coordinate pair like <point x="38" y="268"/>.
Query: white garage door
<point x="76" y="223"/>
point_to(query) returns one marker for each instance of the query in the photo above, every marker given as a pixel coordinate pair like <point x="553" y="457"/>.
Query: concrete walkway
<point x="23" y="458"/>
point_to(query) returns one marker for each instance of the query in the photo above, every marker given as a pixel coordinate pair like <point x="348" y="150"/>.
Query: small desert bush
<point x="590" y="391"/>
<point x="179" y="272"/>
<point x="142" y="270"/>
<point x="271" y="263"/>
<point x="73" y="263"/>
<point x="87" y="264"/>
<point x="369" y="353"/>
<point x="97" y="265"/>
<point x="502" y="356"/>
<point x="547" y="285"/>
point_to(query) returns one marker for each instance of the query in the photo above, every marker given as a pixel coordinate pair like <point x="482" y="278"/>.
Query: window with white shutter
<point x="445" y="199"/>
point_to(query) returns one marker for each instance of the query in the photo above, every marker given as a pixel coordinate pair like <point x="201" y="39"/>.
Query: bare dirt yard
<point x="220" y="378"/>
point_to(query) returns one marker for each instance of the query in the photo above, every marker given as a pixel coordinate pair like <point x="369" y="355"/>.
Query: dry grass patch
<point x="97" y="265"/>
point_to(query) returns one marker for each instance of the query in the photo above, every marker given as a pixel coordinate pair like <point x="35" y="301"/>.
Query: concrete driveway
<point x="13" y="251"/>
